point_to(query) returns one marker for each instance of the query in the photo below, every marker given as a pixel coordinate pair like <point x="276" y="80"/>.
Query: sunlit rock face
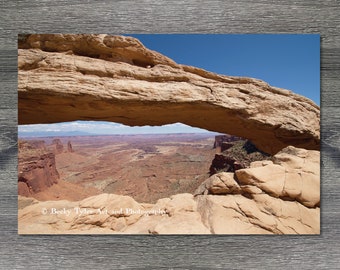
<point x="277" y="197"/>
<point x="115" y="78"/>
<point x="281" y="196"/>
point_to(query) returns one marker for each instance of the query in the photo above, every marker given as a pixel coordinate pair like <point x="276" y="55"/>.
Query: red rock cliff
<point x="36" y="168"/>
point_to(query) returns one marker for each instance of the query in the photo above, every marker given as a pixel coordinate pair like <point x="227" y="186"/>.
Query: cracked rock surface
<point x="115" y="78"/>
<point x="279" y="197"/>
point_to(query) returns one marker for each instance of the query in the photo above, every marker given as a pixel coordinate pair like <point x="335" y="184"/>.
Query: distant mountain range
<point x="35" y="134"/>
<point x="53" y="133"/>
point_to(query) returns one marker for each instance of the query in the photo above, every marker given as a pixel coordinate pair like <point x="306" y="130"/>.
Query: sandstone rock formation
<point x="39" y="178"/>
<point x="36" y="166"/>
<point x="110" y="213"/>
<point x="69" y="147"/>
<point x="222" y="139"/>
<point x="58" y="146"/>
<point x="236" y="155"/>
<point x="250" y="201"/>
<point x="115" y="78"/>
<point x="279" y="196"/>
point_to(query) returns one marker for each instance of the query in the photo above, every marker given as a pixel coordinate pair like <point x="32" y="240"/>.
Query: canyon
<point x="38" y="175"/>
<point x="157" y="184"/>
<point x="146" y="167"/>
<point x="115" y="78"/>
<point x="277" y="196"/>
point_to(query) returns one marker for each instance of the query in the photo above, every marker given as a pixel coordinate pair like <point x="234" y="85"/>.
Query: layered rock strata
<point x="36" y="168"/>
<point x="236" y="155"/>
<point x="58" y="146"/>
<point x="115" y="78"/>
<point x="251" y="201"/>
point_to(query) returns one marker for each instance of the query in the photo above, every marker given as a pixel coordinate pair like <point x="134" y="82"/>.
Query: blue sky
<point x="289" y="61"/>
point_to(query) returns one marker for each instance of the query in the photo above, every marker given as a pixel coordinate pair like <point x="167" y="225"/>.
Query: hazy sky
<point x="100" y="127"/>
<point x="287" y="61"/>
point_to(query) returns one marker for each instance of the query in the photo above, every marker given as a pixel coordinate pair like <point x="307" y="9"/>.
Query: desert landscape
<point x="145" y="167"/>
<point x="262" y="179"/>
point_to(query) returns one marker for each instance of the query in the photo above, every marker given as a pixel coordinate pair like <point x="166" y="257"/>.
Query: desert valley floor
<point x="163" y="182"/>
<point x="268" y="184"/>
<point x="145" y="167"/>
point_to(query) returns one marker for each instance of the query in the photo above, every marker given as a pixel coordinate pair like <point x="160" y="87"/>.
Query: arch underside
<point x="58" y="86"/>
<point x="52" y="109"/>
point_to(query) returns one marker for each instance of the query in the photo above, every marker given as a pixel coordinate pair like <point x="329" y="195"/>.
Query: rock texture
<point x="236" y="155"/>
<point x="250" y="201"/>
<point x="39" y="178"/>
<point x="110" y="213"/>
<point x="58" y="146"/>
<point x="280" y="196"/>
<point x="37" y="168"/>
<point x="115" y="78"/>
<point x="221" y="140"/>
<point x="69" y="147"/>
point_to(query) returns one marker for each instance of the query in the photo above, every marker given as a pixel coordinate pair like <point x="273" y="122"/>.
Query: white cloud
<point x="96" y="127"/>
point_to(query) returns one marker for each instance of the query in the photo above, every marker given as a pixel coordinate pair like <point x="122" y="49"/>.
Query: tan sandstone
<point x="115" y="78"/>
<point x="285" y="200"/>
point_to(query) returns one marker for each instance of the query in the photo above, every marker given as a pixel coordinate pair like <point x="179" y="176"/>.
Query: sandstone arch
<point x="115" y="78"/>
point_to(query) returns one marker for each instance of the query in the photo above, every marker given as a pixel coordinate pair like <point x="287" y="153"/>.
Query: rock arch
<point x="99" y="77"/>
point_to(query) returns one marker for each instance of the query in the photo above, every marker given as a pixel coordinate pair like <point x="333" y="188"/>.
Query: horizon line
<point x="116" y="134"/>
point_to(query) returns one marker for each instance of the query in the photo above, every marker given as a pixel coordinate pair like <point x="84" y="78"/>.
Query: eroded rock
<point x="294" y="175"/>
<point x="220" y="183"/>
<point x="115" y="78"/>
<point x="58" y="146"/>
<point x="247" y="202"/>
<point x="36" y="168"/>
<point x="69" y="147"/>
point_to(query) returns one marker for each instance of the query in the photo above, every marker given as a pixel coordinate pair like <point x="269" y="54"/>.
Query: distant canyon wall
<point x="115" y="78"/>
<point x="271" y="197"/>
<point x="37" y="169"/>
